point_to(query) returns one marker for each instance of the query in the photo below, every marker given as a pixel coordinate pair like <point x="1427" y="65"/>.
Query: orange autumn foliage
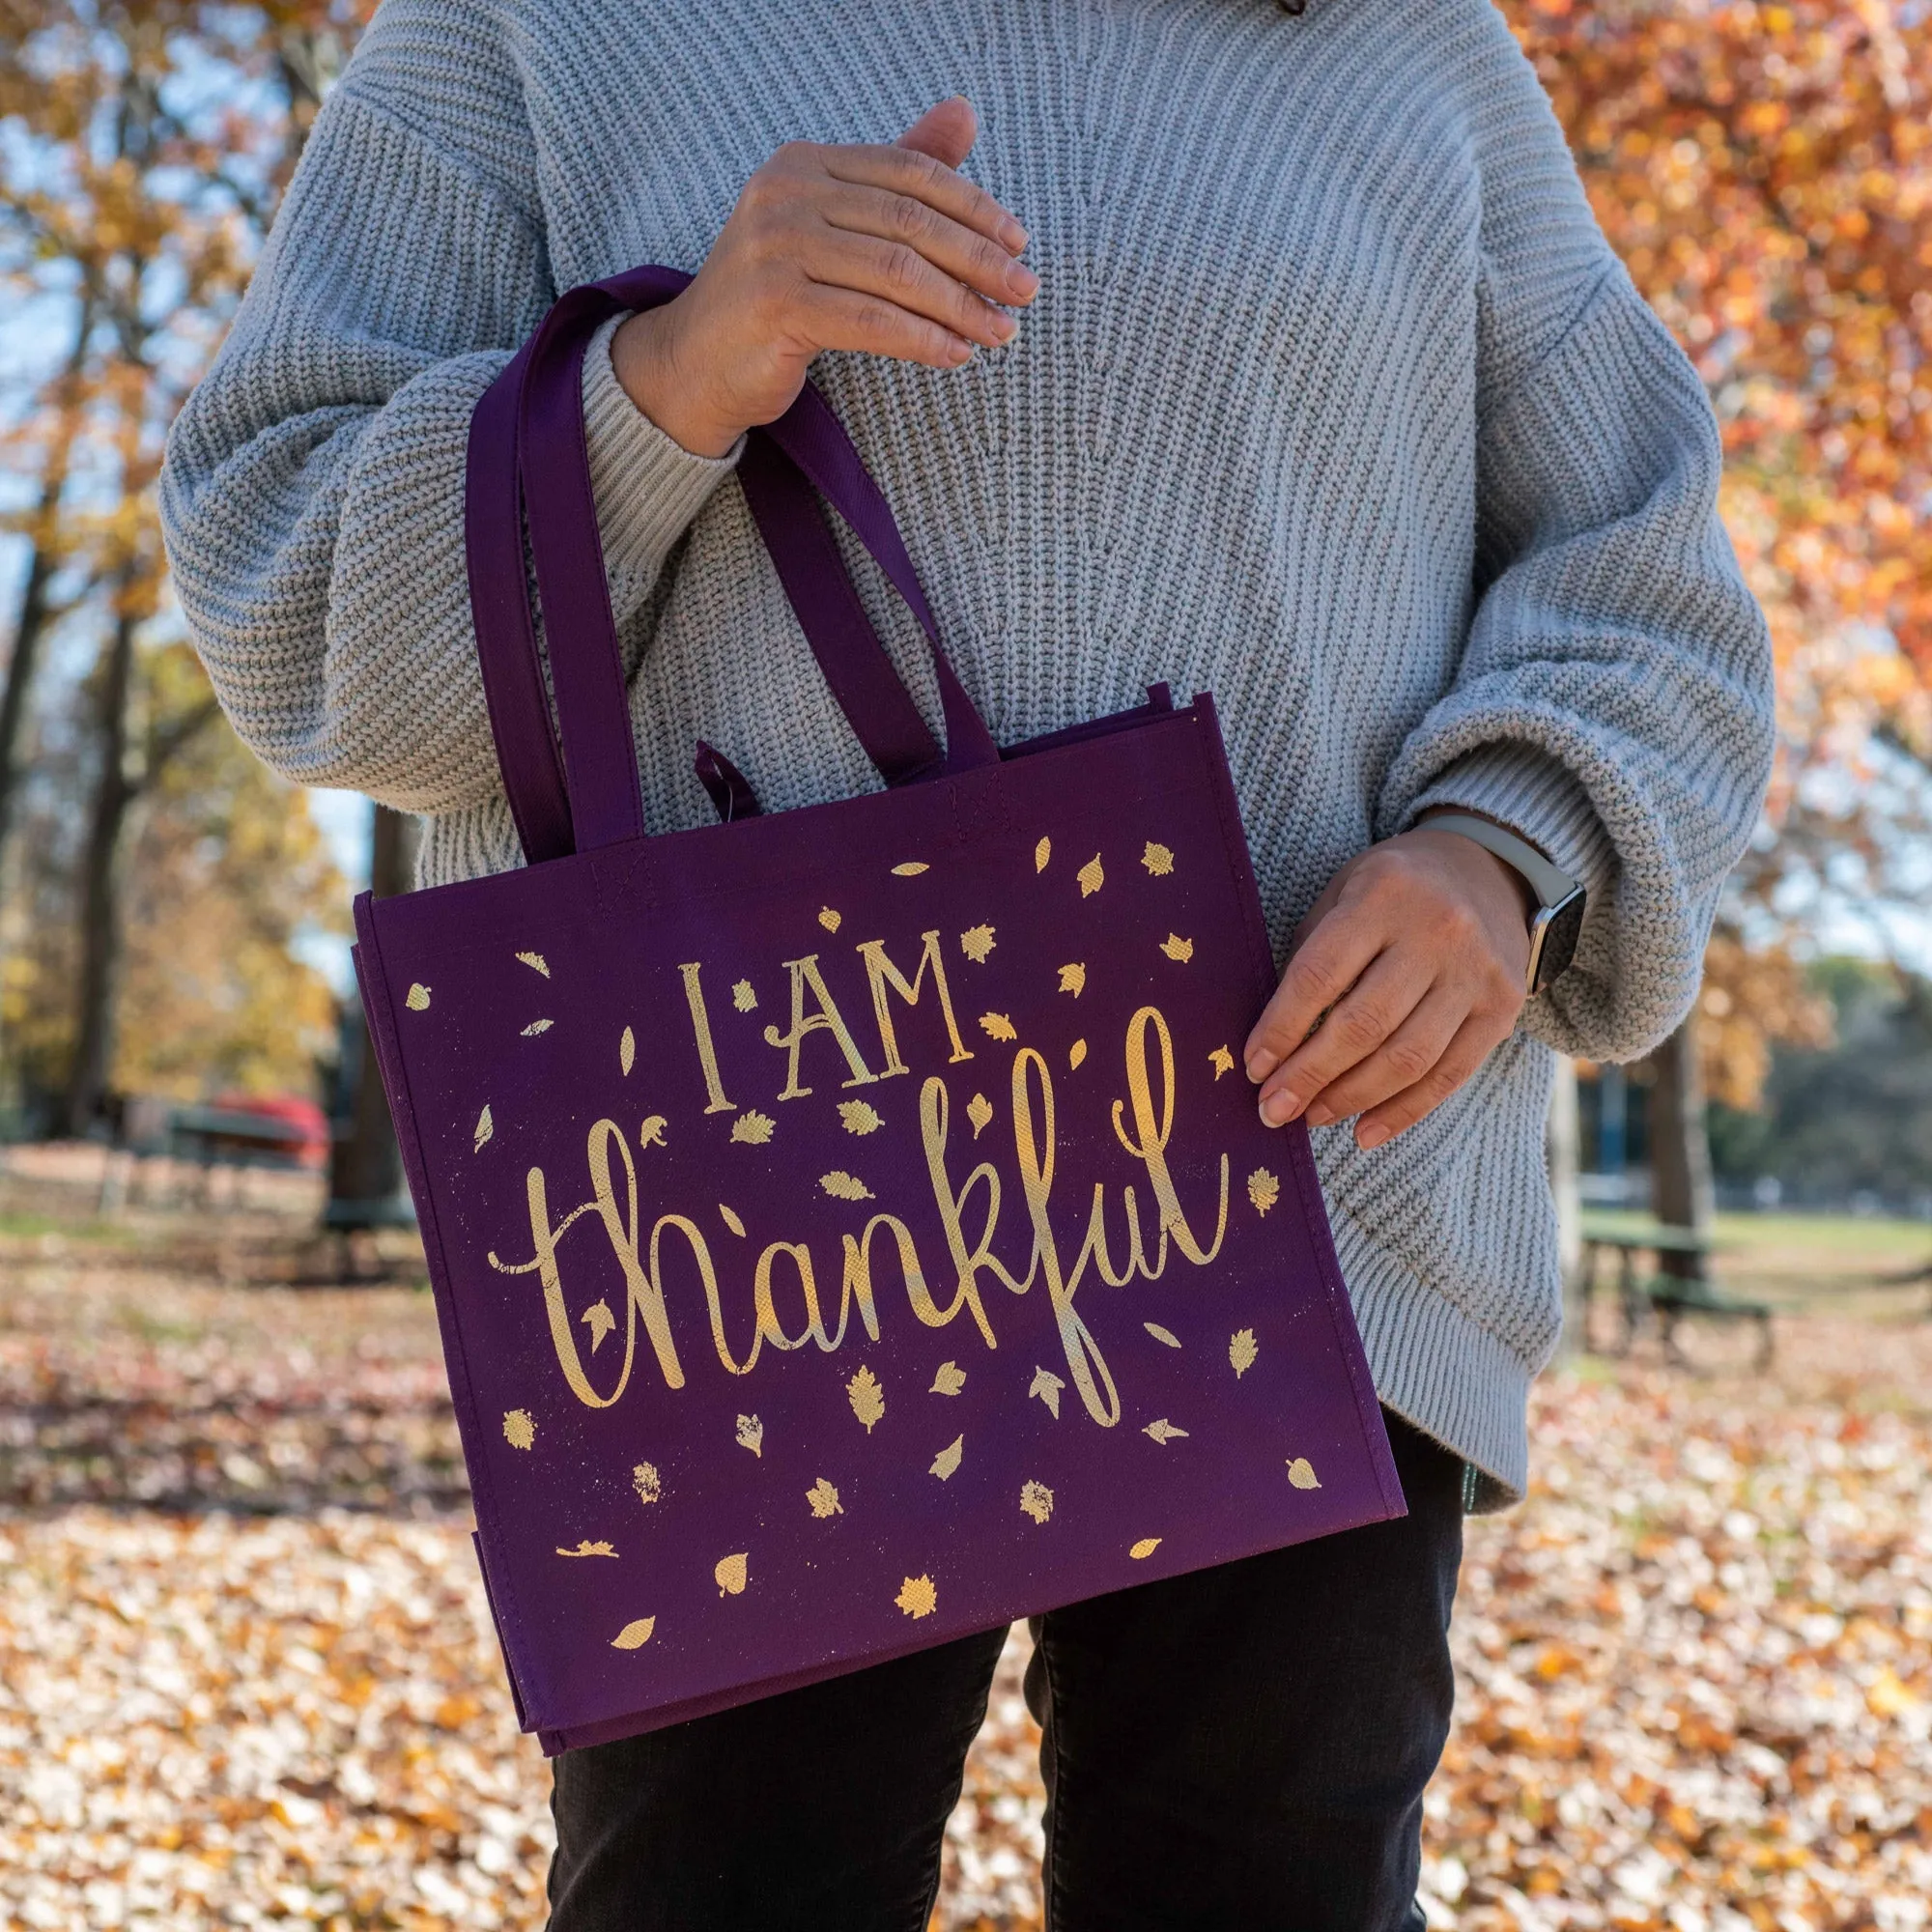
<point x="1765" y="171"/>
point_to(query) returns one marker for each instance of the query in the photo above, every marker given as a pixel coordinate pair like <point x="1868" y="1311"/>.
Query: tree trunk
<point x="114" y="794"/>
<point x="31" y="624"/>
<point x="22" y="663"/>
<point x="1682" y="1194"/>
<point x="1563" y="1148"/>
<point x="365" y="1170"/>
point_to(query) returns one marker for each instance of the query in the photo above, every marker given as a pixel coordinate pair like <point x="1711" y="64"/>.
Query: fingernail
<point x="1005" y="327"/>
<point x="1278" y="1109"/>
<point x="1023" y="282"/>
<point x="1370" y="1137"/>
<point x="1261" y="1064"/>
<point x="1320" y="1116"/>
<point x="962" y="352"/>
<point x="1012" y="235"/>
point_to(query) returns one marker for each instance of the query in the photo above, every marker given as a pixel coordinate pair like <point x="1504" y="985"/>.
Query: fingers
<point x="916" y="227"/>
<point x="843" y="319"/>
<point x="1465" y="1053"/>
<point x="902" y="276"/>
<point x="1325" y="963"/>
<point x="905" y="171"/>
<point x="1361" y="1017"/>
<point x="1406" y="1056"/>
<point x="945" y="131"/>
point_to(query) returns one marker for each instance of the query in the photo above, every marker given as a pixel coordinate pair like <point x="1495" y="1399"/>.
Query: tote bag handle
<point x="527" y="456"/>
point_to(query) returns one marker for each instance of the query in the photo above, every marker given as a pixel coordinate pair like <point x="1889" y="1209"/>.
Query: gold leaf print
<point x="730" y="1220"/>
<point x="730" y="1574"/>
<point x="975" y="942"/>
<point x="536" y="1027"/>
<point x="1075" y="1054"/>
<point x="1163" y="1430"/>
<point x="752" y="1127"/>
<point x="647" y="1483"/>
<point x="519" y="1430"/>
<point x="1091" y="876"/>
<point x="860" y="1117"/>
<point x="1036" y="1500"/>
<point x="1301" y="1473"/>
<point x="1041" y="853"/>
<point x="536" y="963"/>
<point x="599" y="1320"/>
<point x="916" y="1597"/>
<point x="1165" y="1336"/>
<point x="485" y="1128"/>
<point x="651" y="1130"/>
<point x="911" y="869"/>
<point x="867" y="1397"/>
<point x="1221" y="1061"/>
<point x="843" y="1186"/>
<point x="1157" y="859"/>
<point x="418" y="997"/>
<point x="997" y="1026"/>
<point x="1073" y="979"/>
<point x="1242" y="1350"/>
<point x="823" y="1499"/>
<point x="829" y="920"/>
<point x="1047" y="1387"/>
<point x="587" y="1549"/>
<point x="635" y="1635"/>
<point x="751" y="1434"/>
<point x="626" y="1051"/>
<point x="744" y="996"/>
<point x="948" y="1459"/>
<point x="1145" y="1547"/>
<point x="1180" y="950"/>
<point x="949" y="1379"/>
<point x="979" y="1110"/>
<point x="1263" y="1189"/>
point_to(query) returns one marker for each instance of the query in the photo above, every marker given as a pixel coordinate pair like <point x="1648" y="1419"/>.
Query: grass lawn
<point x="1849" y="1263"/>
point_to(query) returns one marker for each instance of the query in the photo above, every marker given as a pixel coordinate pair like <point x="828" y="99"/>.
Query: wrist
<point x="1481" y="858"/>
<point x="1556" y="900"/>
<point x="644" y="360"/>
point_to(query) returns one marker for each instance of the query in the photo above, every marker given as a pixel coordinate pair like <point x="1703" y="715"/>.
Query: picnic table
<point x="1667" y="1298"/>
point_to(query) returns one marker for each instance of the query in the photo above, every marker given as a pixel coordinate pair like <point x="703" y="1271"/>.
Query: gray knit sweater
<point x="1334" y="402"/>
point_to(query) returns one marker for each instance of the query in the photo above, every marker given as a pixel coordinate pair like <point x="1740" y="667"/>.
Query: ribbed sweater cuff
<point x="648" y="488"/>
<point x="1538" y="798"/>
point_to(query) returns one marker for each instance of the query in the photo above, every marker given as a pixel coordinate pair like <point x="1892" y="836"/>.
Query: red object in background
<point x="306" y="1139"/>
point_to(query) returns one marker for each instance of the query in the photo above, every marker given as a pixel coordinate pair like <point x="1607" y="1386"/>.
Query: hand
<point x="882" y="249"/>
<point x="1406" y="971"/>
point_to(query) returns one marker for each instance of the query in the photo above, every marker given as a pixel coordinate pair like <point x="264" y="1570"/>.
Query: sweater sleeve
<point x="313" y="494"/>
<point x="1614" y="701"/>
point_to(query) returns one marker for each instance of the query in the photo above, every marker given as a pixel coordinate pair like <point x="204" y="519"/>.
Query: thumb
<point x="946" y="132"/>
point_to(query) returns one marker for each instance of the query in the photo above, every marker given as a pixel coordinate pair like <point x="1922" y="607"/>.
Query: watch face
<point x="1560" y="926"/>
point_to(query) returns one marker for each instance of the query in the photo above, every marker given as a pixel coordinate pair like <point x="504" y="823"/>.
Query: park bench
<point x="1669" y="1298"/>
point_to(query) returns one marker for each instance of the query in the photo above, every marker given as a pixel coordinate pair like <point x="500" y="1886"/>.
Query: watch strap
<point x="1551" y="884"/>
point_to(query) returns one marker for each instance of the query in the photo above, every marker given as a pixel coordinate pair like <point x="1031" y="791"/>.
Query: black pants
<point x="1242" y="1749"/>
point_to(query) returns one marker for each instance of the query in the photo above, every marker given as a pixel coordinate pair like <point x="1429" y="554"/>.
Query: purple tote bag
<point x="850" y="1227"/>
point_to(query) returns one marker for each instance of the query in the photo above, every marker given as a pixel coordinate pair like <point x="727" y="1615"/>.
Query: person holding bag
<point x="1272" y="355"/>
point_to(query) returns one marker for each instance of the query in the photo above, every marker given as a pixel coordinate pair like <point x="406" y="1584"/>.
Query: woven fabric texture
<point x="1334" y="402"/>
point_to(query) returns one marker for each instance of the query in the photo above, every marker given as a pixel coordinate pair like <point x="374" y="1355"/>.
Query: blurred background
<point x="244" y="1673"/>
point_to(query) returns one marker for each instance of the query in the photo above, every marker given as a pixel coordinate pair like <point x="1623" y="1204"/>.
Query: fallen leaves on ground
<point x="218" y="1722"/>
<point x="247" y="1677"/>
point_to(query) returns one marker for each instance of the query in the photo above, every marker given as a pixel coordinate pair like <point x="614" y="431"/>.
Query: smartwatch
<point x="1559" y="912"/>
